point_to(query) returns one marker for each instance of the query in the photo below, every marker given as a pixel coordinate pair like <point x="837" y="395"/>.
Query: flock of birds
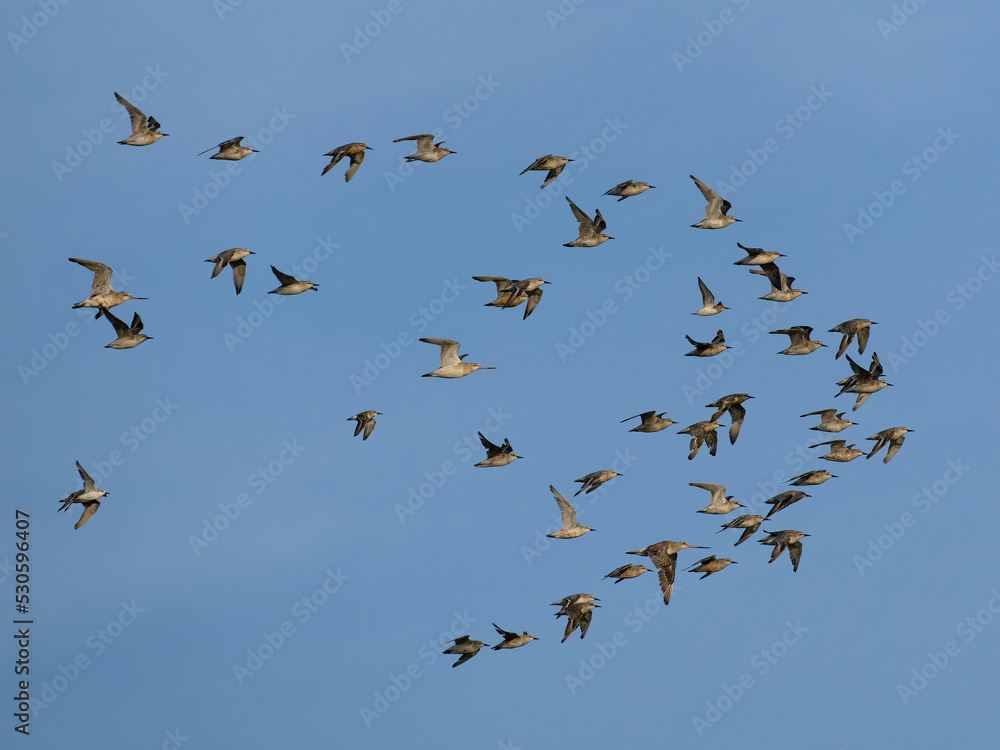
<point x="510" y="293"/>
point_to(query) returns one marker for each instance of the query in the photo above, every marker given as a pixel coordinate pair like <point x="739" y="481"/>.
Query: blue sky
<point x="258" y="577"/>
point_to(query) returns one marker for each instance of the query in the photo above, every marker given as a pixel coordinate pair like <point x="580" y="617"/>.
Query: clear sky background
<point x="151" y="627"/>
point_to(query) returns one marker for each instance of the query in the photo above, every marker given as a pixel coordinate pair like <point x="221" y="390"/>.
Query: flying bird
<point x="709" y="565"/>
<point x="650" y="422"/>
<point x="570" y="528"/>
<point x="101" y="293"/>
<point x="840" y="451"/>
<point x="701" y="432"/>
<point x="788" y="539"/>
<point x="513" y="640"/>
<point x="799" y="341"/>
<point x="129" y="337"/>
<point x="707" y="349"/>
<point x="859" y="327"/>
<point x="781" y="285"/>
<point x="627" y="571"/>
<point x="756" y="256"/>
<point x="366" y="422"/>
<point x="89" y="497"/>
<point x="427" y="150"/>
<point x="590" y="230"/>
<point x="664" y="556"/>
<point x="783" y="500"/>
<point x="553" y="164"/>
<point x="356" y="153"/>
<point x="629" y="188"/>
<point x="504" y="298"/>
<point x="529" y="288"/>
<point x="467" y="648"/>
<point x="234" y="257"/>
<point x="717" y="209"/>
<point x="708" y="303"/>
<point x="231" y="150"/>
<point x="719" y="504"/>
<point x="830" y="420"/>
<point x="733" y="403"/>
<point x="497" y="455"/>
<point x="144" y="130"/>
<point x="452" y="365"/>
<point x="893" y="437"/>
<point x="595" y="479"/>
<point x="749" y="524"/>
<point x="291" y="285"/>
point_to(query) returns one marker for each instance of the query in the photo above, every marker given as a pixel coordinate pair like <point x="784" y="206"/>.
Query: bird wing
<point x="88" y="481"/>
<point x="356" y="160"/>
<point x="795" y="553"/>
<point x="863" y="339"/>
<point x="713" y="441"/>
<point x="844" y="343"/>
<point x="491" y="449"/>
<point x="644" y="416"/>
<point x="424" y="140"/>
<point x="875" y="370"/>
<point x="553" y="173"/>
<point x="599" y="223"/>
<point x="666" y="568"/>
<point x="137" y="118"/>
<point x="89" y="509"/>
<point x="537" y="163"/>
<point x="102" y="276"/>
<point x="773" y="273"/>
<point x="239" y="273"/>
<point x="284" y="278"/>
<point x="715" y="203"/>
<point x="369" y="426"/>
<point x="707" y="298"/>
<point x="533" y="299"/>
<point x="449" y="350"/>
<point x="736" y="412"/>
<point x="119" y="326"/>
<point x="568" y="513"/>
<point x="580" y="216"/>
<point x="717" y="490"/>
<point x="136" y="323"/>
<point x="502" y="282"/>
<point x="337" y="154"/>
